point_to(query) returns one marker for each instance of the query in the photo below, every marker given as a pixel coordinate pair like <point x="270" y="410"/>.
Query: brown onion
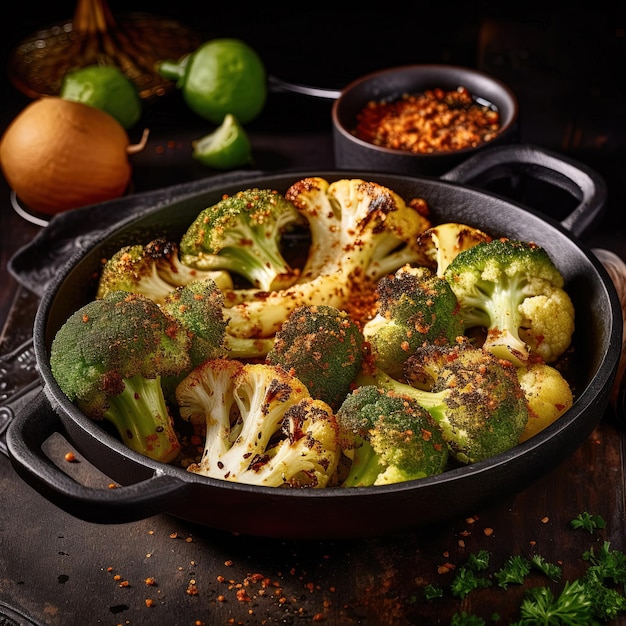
<point x="59" y="154"/>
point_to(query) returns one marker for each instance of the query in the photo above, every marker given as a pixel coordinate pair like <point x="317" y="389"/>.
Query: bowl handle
<point x="26" y="435"/>
<point x="507" y="161"/>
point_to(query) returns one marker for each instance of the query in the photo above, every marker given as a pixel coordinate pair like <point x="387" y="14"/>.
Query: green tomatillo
<point x="105" y="87"/>
<point x="221" y="76"/>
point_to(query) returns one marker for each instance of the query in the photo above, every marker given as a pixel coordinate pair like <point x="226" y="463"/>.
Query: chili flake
<point x="433" y="121"/>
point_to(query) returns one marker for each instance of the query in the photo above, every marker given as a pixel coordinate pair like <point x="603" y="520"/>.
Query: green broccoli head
<point x="389" y="438"/>
<point x="153" y="270"/>
<point x="414" y="306"/>
<point x="513" y="290"/>
<point x="198" y="307"/>
<point x="261" y="425"/>
<point x="323" y="347"/>
<point x="357" y="227"/>
<point x="243" y="234"/>
<point x="109" y="357"/>
<point x="475" y="397"/>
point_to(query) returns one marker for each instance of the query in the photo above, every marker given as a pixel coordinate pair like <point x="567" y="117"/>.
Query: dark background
<point x="567" y="66"/>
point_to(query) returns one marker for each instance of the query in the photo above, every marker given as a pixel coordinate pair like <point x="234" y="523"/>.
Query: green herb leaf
<point x="588" y="522"/>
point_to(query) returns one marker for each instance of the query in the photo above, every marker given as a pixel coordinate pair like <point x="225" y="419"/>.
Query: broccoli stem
<point x="365" y="467"/>
<point x="433" y="402"/>
<point x="503" y="339"/>
<point x="498" y="310"/>
<point x="267" y="271"/>
<point x="142" y="420"/>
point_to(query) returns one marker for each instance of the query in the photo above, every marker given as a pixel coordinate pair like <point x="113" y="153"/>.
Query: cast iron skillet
<point x="148" y="487"/>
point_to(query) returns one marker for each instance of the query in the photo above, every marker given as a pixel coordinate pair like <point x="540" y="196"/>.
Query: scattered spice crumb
<point x="150" y="581"/>
<point x="545" y="520"/>
<point x="149" y="602"/>
<point x="488" y="532"/>
<point x="228" y="563"/>
<point x="70" y="457"/>
<point x="242" y="596"/>
<point x="192" y="588"/>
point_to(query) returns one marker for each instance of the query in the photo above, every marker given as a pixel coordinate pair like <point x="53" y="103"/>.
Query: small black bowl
<point x="390" y="84"/>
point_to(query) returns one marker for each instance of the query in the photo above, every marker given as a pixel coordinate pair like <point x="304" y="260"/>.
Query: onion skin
<point x="59" y="155"/>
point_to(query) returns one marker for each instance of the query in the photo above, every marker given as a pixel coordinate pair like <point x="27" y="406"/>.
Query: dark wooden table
<point x="58" y="570"/>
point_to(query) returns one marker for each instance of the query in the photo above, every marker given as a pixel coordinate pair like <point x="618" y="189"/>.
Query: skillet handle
<point x="507" y="161"/>
<point x="26" y="435"/>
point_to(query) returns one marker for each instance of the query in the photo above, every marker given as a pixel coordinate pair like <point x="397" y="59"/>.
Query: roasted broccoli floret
<point x="198" y="306"/>
<point x="514" y="291"/>
<point x="323" y="347"/>
<point x="153" y="270"/>
<point x="261" y="425"/>
<point x="109" y="357"/>
<point x="243" y="234"/>
<point x="548" y="395"/>
<point x="474" y="397"/>
<point x="441" y="243"/>
<point x="414" y="306"/>
<point x="389" y="438"/>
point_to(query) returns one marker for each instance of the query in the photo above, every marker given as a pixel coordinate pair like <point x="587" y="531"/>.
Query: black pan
<point x="148" y="487"/>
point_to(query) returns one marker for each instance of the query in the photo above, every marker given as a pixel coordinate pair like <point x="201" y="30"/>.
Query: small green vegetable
<point x="227" y="147"/>
<point x="105" y="87"/>
<point x="221" y="76"/>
